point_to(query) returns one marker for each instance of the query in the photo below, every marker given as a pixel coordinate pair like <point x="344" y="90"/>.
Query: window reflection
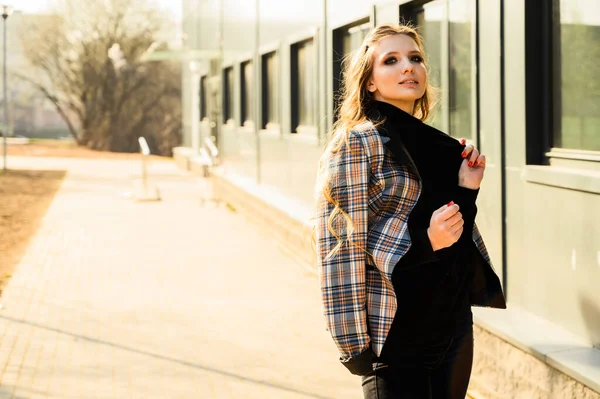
<point x="354" y="37"/>
<point x="303" y="87"/>
<point x="270" y="89"/>
<point x="345" y="40"/>
<point x="578" y="97"/>
<point x="460" y="68"/>
<point x="429" y="19"/>
<point x="446" y="27"/>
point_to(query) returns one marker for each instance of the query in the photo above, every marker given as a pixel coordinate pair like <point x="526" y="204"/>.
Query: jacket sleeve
<point x="465" y="198"/>
<point x="343" y="274"/>
<point x="420" y="251"/>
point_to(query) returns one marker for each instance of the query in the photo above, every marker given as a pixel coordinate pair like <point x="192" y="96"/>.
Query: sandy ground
<point x="67" y="149"/>
<point x="24" y="198"/>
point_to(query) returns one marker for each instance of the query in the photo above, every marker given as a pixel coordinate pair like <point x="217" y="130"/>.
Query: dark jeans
<point x="440" y="371"/>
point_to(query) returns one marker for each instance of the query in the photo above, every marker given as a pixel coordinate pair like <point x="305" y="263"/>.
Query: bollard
<point x="205" y="161"/>
<point x="145" y="151"/>
<point x="214" y="151"/>
<point x="208" y="158"/>
<point x="145" y="193"/>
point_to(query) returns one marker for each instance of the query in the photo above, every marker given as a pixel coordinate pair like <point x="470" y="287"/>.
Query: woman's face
<point x="399" y="75"/>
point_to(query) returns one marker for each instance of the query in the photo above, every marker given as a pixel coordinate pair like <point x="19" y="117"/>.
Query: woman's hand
<point x="445" y="226"/>
<point x="471" y="170"/>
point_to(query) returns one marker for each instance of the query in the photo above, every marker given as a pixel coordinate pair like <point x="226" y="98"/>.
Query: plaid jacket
<point x="377" y="185"/>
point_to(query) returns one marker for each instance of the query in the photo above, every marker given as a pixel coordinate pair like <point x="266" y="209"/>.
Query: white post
<point x="145" y="151"/>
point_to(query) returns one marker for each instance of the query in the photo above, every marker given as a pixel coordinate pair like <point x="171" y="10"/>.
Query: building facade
<point x="518" y="78"/>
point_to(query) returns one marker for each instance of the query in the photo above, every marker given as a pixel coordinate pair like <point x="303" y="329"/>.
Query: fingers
<point x="446" y="226"/>
<point x="455" y="219"/>
<point x="473" y="157"/>
<point x="480" y="161"/>
<point x="443" y="208"/>
<point x="468" y="150"/>
<point x="458" y="231"/>
<point x="447" y="212"/>
<point x="454" y="226"/>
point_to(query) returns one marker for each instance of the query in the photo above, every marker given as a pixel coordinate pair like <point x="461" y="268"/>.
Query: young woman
<point x="400" y="258"/>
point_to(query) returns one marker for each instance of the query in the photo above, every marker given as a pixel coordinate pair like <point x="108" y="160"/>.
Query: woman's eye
<point x="417" y="58"/>
<point x="390" y="61"/>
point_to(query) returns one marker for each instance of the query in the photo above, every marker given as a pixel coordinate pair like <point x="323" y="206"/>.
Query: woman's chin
<point x="407" y="95"/>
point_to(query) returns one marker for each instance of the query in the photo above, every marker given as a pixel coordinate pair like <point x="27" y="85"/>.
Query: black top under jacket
<point x="432" y="287"/>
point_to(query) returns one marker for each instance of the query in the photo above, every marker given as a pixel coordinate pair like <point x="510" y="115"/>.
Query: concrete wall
<point x="553" y="239"/>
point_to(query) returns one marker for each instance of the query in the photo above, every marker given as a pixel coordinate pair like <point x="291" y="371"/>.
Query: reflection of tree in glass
<point x="431" y="31"/>
<point x="580" y="87"/>
<point x="430" y="28"/>
<point x="460" y="78"/>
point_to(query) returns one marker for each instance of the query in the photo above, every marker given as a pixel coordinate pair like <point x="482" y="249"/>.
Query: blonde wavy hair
<point x="354" y="99"/>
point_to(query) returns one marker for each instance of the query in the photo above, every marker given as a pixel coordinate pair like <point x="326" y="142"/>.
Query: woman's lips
<point x="409" y="83"/>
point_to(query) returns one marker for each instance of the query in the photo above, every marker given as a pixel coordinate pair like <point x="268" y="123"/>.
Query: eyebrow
<point x="412" y="52"/>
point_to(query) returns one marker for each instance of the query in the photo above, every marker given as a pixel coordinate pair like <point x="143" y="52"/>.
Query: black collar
<point x="393" y="116"/>
<point x="400" y="127"/>
<point x="410" y="138"/>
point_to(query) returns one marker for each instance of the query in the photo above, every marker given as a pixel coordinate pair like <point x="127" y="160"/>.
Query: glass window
<point x="247" y="80"/>
<point x="447" y="28"/>
<point x="346" y="40"/>
<point x="354" y="36"/>
<point x="461" y="55"/>
<point x="429" y="20"/>
<point x="577" y="97"/>
<point x="304" y="74"/>
<point x="203" y="97"/>
<point x="270" y="94"/>
<point x="228" y="94"/>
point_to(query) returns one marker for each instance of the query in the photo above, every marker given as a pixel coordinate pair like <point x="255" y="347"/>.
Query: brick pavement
<point x="171" y="299"/>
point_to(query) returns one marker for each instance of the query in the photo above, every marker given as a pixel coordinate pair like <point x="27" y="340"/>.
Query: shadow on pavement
<point x="161" y="357"/>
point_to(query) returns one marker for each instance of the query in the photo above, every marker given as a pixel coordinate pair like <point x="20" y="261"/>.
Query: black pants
<point x="441" y="371"/>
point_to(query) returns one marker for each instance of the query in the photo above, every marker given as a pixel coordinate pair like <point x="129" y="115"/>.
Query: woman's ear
<point x="371" y="86"/>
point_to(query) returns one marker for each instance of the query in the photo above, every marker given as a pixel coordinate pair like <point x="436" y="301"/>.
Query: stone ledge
<point x="574" y="179"/>
<point x="545" y="341"/>
<point x="288" y="221"/>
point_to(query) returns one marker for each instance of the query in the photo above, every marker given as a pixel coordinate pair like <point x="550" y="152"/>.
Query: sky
<point x="36" y="6"/>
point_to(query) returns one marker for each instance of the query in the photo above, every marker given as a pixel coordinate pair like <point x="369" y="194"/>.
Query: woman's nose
<point x="406" y="65"/>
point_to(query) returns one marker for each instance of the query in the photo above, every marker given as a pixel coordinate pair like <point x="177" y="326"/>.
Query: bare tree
<point x="87" y="59"/>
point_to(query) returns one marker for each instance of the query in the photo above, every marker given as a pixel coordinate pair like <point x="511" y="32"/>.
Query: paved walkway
<point x="171" y="299"/>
